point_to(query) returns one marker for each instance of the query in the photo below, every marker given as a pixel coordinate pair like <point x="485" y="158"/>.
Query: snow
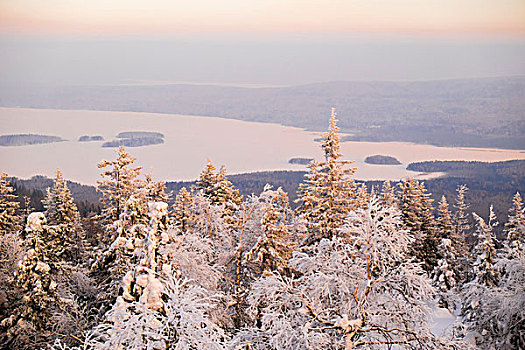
<point x="35" y="221"/>
<point x="442" y="320"/>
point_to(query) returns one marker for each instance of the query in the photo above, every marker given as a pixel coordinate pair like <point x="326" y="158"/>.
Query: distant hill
<point x="473" y="112"/>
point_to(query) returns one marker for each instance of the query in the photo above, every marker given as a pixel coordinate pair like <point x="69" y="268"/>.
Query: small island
<point x="86" y="138"/>
<point x="382" y="160"/>
<point x="300" y="161"/>
<point x="136" y="139"/>
<point x="140" y="135"/>
<point x="27" y="139"/>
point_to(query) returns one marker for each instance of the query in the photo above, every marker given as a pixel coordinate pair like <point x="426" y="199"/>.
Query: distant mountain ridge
<point x="488" y="112"/>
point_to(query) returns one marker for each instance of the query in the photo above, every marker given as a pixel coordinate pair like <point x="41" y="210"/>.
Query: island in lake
<point x="301" y="161"/>
<point x="382" y="160"/>
<point x="136" y="139"/>
<point x="87" y="138"/>
<point x="27" y="139"/>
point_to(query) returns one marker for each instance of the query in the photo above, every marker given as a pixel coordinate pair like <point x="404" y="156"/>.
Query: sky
<point x="268" y="42"/>
<point x="168" y="17"/>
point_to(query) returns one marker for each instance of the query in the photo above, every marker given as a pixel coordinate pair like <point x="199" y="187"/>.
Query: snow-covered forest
<point x="351" y="268"/>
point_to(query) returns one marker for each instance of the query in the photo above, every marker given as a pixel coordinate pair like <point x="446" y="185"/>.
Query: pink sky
<point x="114" y="17"/>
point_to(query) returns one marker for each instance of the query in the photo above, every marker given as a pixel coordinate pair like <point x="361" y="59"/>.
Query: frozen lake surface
<point x="190" y="140"/>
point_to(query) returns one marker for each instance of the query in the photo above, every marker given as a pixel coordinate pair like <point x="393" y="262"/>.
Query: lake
<point x="191" y="140"/>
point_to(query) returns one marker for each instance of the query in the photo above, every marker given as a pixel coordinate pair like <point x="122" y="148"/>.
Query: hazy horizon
<point x="59" y="60"/>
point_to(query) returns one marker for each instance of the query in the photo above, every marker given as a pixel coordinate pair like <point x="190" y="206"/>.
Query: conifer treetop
<point x="331" y="147"/>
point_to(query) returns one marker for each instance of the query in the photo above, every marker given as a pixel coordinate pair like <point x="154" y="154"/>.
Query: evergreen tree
<point x="62" y="212"/>
<point x="388" y="197"/>
<point x="9" y="220"/>
<point x="417" y="214"/>
<point x="444" y="224"/>
<point x="329" y="193"/>
<point x="362" y="196"/>
<point x="485" y="251"/>
<point x="155" y="190"/>
<point x="182" y="210"/>
<point x="121" y="183"/>
<point x="461" y="221"/>
<point x="515" y="228"/>
<point x="274" y="247"/>
<point x="34" y="281"/>
<point x="445" y="274"/>
<point x="220" y="191"/>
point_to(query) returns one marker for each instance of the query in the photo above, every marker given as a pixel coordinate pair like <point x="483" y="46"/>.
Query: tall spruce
<point x="62" y="212"/>
<point x="485" y="251"/>
<point x="10" y="221"/>
<point x="515" y="228"/>
<point x="274" y="247"/>
<point x="461" y="222"/>
<point x="220" y="191"/>
<point x="120" y="184"/>
<point x="417" y="214"/>
<point x="328" y="193"/>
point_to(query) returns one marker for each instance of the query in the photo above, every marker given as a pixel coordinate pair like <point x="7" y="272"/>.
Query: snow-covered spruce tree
<point x="444" y="223"/>
<point x="159" y="308"/>
<point x="484" y="274"/>
<point x="184" y="322"/>
<point x="121" y="183"/>
<point x="461" y="222"/>
<point x="388" y="196"/>
<point x="494" y="301"/>
<point x="328" y="193"/>
<point x="36" y="288"/>
<point x="515" y="229"/>
<point x="274" y="247"/>
<point x="183" y="216"/>
<point x="445" y="274"/>
<point x="10" y="222"/>
<point x="485" y="251"/>
<point x="62" y="212"/>
<point x="417" y="214"/>
<point x="220" y="191"/>
<point x="363" y="197"/>
<point x="155" y="190"/>
<point x="359" y="289"/>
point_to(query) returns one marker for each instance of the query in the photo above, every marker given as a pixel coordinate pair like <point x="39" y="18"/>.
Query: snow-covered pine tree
<point x="62" y="212"/>
<point x="121" y="183"/>
<point x="515" y="228"/>
<point x="358" y="291"/>
<point x="328" y="193"/>
<point x="10" y="221"/>
<point x="417" y="214"/>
